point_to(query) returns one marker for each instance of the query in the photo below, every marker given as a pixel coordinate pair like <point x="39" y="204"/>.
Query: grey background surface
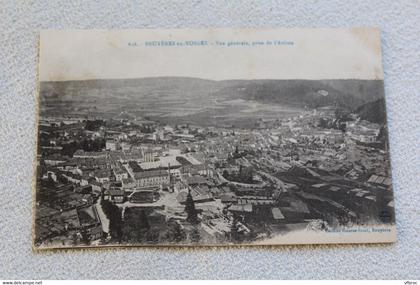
<point x="20" y="22"/>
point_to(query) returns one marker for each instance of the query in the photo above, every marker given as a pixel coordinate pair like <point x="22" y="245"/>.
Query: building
<point x="180" y="186"/>
<point x="200" y="169"/>
<point x="277" y="215"/>
<point x="125" y="146"/>
<point x="152" y="178"/>
<point x="120" y="173"/>
<point x="111" y="145"/>
<point x="380" y="180"/>
<point x="102" y="176"/>
<point x="228" y="198"/>
<point x="363" y="131"/>
<point x="89" y="154"/>
<point x="128" y="184"/>
<point x="150" y="154"/>
<point x="73" y="178"/>
<point x="163" y="162"/>
<point x="55" y="159"/>
<point x="368" y="136"/>
<point x="198" y="194"/>
<point x="96" y="187"/>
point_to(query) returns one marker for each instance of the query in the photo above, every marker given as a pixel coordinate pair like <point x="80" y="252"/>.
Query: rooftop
<point x="150" y="173"/>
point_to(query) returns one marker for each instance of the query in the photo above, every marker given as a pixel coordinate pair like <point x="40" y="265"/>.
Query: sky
<point x="217" y="54"/>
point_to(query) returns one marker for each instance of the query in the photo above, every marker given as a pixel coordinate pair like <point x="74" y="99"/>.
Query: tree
<point x="137" y="227"/>
<point x="129" y="230"/>
<point x="174" y="232"/>
<point x="190" y="209"/>
<point x="70" y="148"/>
<point x="142" y="227"/>
<point x="143" y="221"/>
<point x="247" y="174"/>
<point x="382" y="137"/>
<point x="234" y="231"/>
<point x="93" y="125"/>
<point x="195" y="235"/>
<point x="153" y="235"/>
<point x="113" y="213"/>
<point x="85" y="237"/>
<point x="225" y="174"/>
<point x="75" y="239"/>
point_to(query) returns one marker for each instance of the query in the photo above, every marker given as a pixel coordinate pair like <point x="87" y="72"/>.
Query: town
<point x="119" y="181"/>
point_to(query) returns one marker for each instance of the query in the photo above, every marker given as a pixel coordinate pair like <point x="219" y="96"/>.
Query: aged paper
<point x="212" y="137"/>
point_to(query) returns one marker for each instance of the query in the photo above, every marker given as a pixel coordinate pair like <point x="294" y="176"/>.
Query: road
<point x="102" y="216"/>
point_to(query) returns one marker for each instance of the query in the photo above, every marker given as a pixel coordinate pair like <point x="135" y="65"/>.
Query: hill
<point x="185" y="99"/>
<point x="311" y="93"/>
<point x="373" y="111"/>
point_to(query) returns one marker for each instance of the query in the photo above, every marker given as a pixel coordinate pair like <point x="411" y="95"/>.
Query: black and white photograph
<point x="214" y="137"/>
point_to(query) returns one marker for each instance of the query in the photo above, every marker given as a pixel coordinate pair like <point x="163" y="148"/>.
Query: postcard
<point x="212" y="137"/>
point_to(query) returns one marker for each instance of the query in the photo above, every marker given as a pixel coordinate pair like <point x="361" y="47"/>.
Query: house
<point x="120" y="173"/>
<point x="55" y="159"/>
<point x="102" y="176"/>
<point x="114" y="195"/>
<point x="128" y="184"/>
<point x="228" y="198"/>
<point x="85" y="180"/>
<point x="74" y="178"/>
<point x="96" y="187"/>
<point x="277" y="214"/>
<point x="50" y="174"/>
<point x="379" y="180"/>
<point x="180" y="186"/>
